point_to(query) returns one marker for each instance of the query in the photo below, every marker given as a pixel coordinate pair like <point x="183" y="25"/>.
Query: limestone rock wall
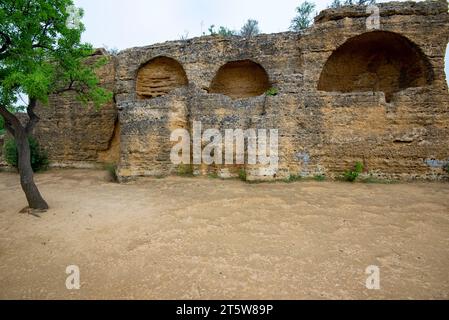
<point x="346" y="94"/>
<point x="80" y="136"/>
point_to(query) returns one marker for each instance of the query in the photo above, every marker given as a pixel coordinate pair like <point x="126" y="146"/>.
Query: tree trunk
<point x="35" y="200"/>
<point x="20" y="134"/>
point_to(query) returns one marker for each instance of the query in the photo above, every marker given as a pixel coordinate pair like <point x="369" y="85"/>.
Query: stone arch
<point x="376" y="61"/>
<point x="159" y="76"/>
<point x="240" y="79"/>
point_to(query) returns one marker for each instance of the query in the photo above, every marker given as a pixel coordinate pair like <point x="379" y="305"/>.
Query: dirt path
<point x="211" y="239"/>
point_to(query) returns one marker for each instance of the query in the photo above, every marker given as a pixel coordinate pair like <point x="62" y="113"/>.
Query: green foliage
<point x="222" y="31"/>
<point x="250" y="29"/>
<point x="272" y="92"/>
<point x="340" y="3"/>
<point x="374" y="180"/>
<point x="242" y="174"/>
<point x="213" y="175"/>
<point x="111" y="168"/>
<point x="303" y="17"/>
<point x="2" y="125"/>
<point x="319" y="177"/>
<point x="352" y="175"/>
<point x="353" y="3"/>
<point x="41" y="53"/>
<point x="185" y="170"/>
<point x="293" y="178"/>
<point x="336" y="4"/>
<point x="39" y="159"/>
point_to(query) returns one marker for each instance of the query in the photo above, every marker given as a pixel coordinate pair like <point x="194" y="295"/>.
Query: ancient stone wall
<point x="76" y="135"/>
<point x="345" y="94"/>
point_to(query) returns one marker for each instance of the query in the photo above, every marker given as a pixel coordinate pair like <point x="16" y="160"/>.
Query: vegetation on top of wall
<point x="341" y="3"/>
<point x="353" y="174"/>
<point x="222" y="31"/>
<point x="306" y="11"/>
<point x="303" y="17"/>
<point x="250" y="29"/>
<point x="39" y="158"/>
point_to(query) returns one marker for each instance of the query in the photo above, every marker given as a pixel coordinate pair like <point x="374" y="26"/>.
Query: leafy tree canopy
<point x="41" y="53"/>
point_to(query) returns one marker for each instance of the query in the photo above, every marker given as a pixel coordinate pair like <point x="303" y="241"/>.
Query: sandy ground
<point x="185" y="238"/>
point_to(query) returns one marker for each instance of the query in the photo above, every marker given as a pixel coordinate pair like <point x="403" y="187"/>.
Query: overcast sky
<point x="123" y="24"/>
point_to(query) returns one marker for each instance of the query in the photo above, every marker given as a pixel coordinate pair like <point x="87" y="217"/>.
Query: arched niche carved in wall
<point x="240" y="79"/>
<point x="159" y="76"/>
<point x="376" y="61"/>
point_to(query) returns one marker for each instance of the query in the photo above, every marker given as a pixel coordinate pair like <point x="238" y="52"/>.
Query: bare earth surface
<point x="211" y="239"/>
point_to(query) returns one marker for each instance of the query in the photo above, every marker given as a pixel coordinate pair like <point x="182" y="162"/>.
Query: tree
<point x="41" y="54"/>
<point x="225" y="32"/>
<point x="222" y="31"/>
<point x="338" y="3"/>
<point x="303" y="18"/>
<point x="250" y="29"/>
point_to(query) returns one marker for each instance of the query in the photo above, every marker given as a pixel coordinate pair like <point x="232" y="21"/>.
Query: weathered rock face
<point x="346" y="94"/>
<point x="78" y="135"/>
<point x="376" y="61"/>
<point x="240" y="79"/>
<point x="159" y="77"/>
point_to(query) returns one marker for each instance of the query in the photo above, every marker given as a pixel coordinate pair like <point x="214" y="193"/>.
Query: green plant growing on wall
<point x="39" y="158"/>
<point x="111" y="168"/>
<point x="272" y="92"/>
<point x="352" y="175"/>
<point x="185" y="170"/>
<point x="293" y="178"/>
<point x="243" y="175"/>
